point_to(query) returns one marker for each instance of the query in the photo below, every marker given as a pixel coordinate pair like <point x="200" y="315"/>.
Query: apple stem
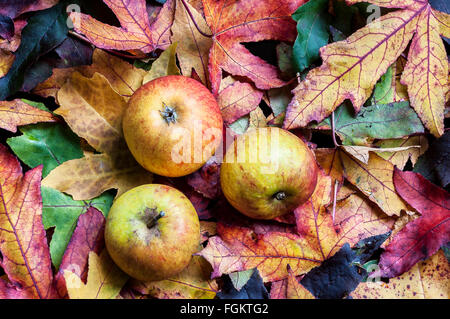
<point x="169" y="114"/>
<point x="280" y="195"/>
<point x="155" y="219"/>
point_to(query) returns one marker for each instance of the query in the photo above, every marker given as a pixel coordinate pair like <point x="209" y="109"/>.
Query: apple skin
<point x="252" y="187"/>
<point x="158" y="252"/>
<point x="153" y="140"/>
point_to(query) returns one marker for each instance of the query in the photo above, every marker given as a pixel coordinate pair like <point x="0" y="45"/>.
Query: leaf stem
<point x="333" y="130"/>
<point x="195" y="22"/>
<point x="336" y="183"/>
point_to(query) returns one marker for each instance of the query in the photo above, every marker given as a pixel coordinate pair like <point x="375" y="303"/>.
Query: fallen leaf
<point x="428" y="279"/>
<point x="192" y="283"/>
<point x="206" y="180"/>
<point x="49" y="144"/>
<point x="362" y="152"/>
<point x="253" y="289"/>
<point x="379" y="121"/>
<point x="434" y="165"/>
<point x="104" y="281"/>
<point x="13" y="9"/>
<point x="238" y="99"/>
<point x="23" y="242"/>
<point x="87" y="237"/>
<point x="400" y="158"/>
<point x="330" y="162"/>
<point x="16" y="113"/>
<point x="295" y="290"/>
<point x="193" y="47"/>
<point x="234" y="22"/>
<point x="62" y="212"/>
<point x="124" y="78"/>
<point x="375" y="180"/>
<point x="312" y="32"/>
<point x="335" y="278"/>
<point x="423" y="236"/>
<point x="94" y="111"/>
<point x="240" y="278"/>
<point x="135" y="32"/>
<point x="426" y="73"/>
<point x="44" y="31"/>
<point x="164" y="65"/>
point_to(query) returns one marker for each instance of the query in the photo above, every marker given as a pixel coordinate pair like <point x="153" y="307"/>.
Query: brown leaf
<point x="93" y="110"/>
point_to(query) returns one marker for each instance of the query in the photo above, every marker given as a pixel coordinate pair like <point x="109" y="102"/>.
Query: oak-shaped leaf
<point x="93" y="110"/>
<point x="135" y="33"/>
<point x="423" y="236"/>
<point x="336" y="277"/>
<point x="23" y="243"/>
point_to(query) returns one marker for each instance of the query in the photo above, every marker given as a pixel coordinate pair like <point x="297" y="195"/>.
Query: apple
<point x="172" y="125"/>
<point x="268" y="172"/>
<point x="152" y="231"/>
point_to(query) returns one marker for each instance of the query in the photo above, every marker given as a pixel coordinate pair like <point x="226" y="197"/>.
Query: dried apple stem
<point x="155" y="219"/>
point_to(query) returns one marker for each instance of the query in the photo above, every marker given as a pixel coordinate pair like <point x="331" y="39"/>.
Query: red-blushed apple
<point x="172" y="125"/>
<point x="268" y="172"/>
<point x="152" y="231"/>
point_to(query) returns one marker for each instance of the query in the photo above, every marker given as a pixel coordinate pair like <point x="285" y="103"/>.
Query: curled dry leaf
<point x="400" y="158"/>
<point x="16" y="113"/>
<point x="135" y="34"/>
<point x="23" y="243"/>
